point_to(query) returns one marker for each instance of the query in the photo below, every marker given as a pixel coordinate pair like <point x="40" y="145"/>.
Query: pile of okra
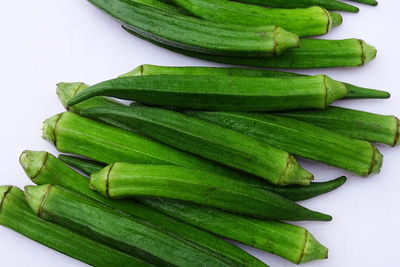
<point x="200" y="154"/>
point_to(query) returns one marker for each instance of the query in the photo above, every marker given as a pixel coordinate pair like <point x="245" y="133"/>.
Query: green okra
<point x="123" y="180"/>
<point x="301" y="21"/>
<point x="16" y="214"/>
<point x="295" y="193"/>
<point x="328" y="4"/>
<point x="301" y="139"/>
<point x="353" y="123"/>
<point x="43" y="168"/>
<point x="291" y="242"/>
<point x="311" y="53"/>
<point x="367" y="2"/>
<point x="207" y="140"/>
<point x="160" y="5"/>
<point x="354" y="92"/>
<point x="186" y="32"/>
<point x="210" y="92"/>
<point x="131" y="235"/>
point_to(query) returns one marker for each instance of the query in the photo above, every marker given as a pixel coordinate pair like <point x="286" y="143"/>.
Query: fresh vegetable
<point x="160" y="5"/>
<point x="206" y="140"/>
<point x="367" y="2"/>
<point x="301" y="21"/>
<point x="43" y="168"/>
<point x="328" y="4"/>
<point x="312" y="53"/>
<point x="352" y="123"/>
<point x="17" y="215"/>
<point x="123" y="180"/>
<point x="196" y="35"/>
<point x="291" y="242"/>
<point x="294" y="192"/>
<point x="301" y="139"/>
<point x="354" y="92"/>
<point x="210" y="92"/>
<point x="131" y="235"/>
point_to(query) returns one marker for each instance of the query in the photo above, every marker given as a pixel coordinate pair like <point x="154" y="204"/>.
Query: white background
<point x="45" y="42"/>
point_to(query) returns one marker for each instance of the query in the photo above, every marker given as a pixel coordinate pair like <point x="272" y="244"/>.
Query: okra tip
<point x="48" y="128"/>
<point x="4" y="189"/>
<point x="35" y="196"/>
<point x="336" y="19"/>
<point x="295" y="174"/>
<point x="99" y="180"/>
<point x="377" y="161"/>
<point x="368" y="52"/>
<point x="138" y="71"/>
<point x="313" y="250"/>
<point x="32" y="162"/>
<point x="285" y="40"/>
<point x="66" y="91"/>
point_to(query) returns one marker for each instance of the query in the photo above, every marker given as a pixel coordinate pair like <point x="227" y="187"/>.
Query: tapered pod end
<point x="48" y="128"/>
<point x="356" y="92"/>
<point x="32" y="162"/>
<point x="4" y="189"/>
<point x="35" y="196"/>
<point x="99" y="181"/>
<point x="334" y="90"/>
<point x="377" y="161"/>
<point x="66" y="91"/>
<point x="285" y="40"/>
<point x="138" y="71"/>
<point x="336" y="19"/>
<point x="368" y="52"/>
<point x="295" y="174"/>
<point x="313" y="250"/>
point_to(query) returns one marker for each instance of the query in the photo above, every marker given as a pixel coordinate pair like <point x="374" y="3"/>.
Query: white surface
<point x="48" y="41"/>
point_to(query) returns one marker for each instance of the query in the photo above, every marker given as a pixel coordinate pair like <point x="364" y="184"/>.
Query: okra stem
<point x="122" y="180"/>
<point x="353" y="123"/>
<point x="16" y="214"/>
<point x="354" y="92"/>
<point x="242" y="229"/>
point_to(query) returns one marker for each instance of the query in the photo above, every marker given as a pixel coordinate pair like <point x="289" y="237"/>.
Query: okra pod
<point x="210" y="92"/>
<point x="354" y="92"/>
<point x="43" y="168"/>
<point x="291" y="242"/>
<point x="133" y="236"/>
<point x="353" y="123"/>
<point x="160" y="5"/>
<point x="123" y="180"/>
<point x="194" y="34"/>
<point x="206" y="140"/>
<point x="328" y="4"/>
<point x="301" y="139"/>
<point x="16" y="214"/>
<point x="295" y="193"/>
<point x="301" y="21"/>
<point x="312" y="53"/>
<point x="367" y="2"/>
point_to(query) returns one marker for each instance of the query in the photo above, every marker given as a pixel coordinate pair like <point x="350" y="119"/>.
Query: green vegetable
<point x="194" y="34"/>
<point x="312" y="53"/>
<point x="353" y="123"/>
<point x="303" y="22"/>
<point x="43" y="168"/>
<point x="206" y="140"/>
<point x="328" y="4"/>
<point x="160" y="5"/>
<point x="291" y="242"/>
<point x="210" y="92"/>
<point x="295" y="193"/>
<point x="301" y="139"/>
<point x="131" y="235"/>
<point x="354" y="92"/>
<point x="17" y="215"/>
<point x="123" y="180"/>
